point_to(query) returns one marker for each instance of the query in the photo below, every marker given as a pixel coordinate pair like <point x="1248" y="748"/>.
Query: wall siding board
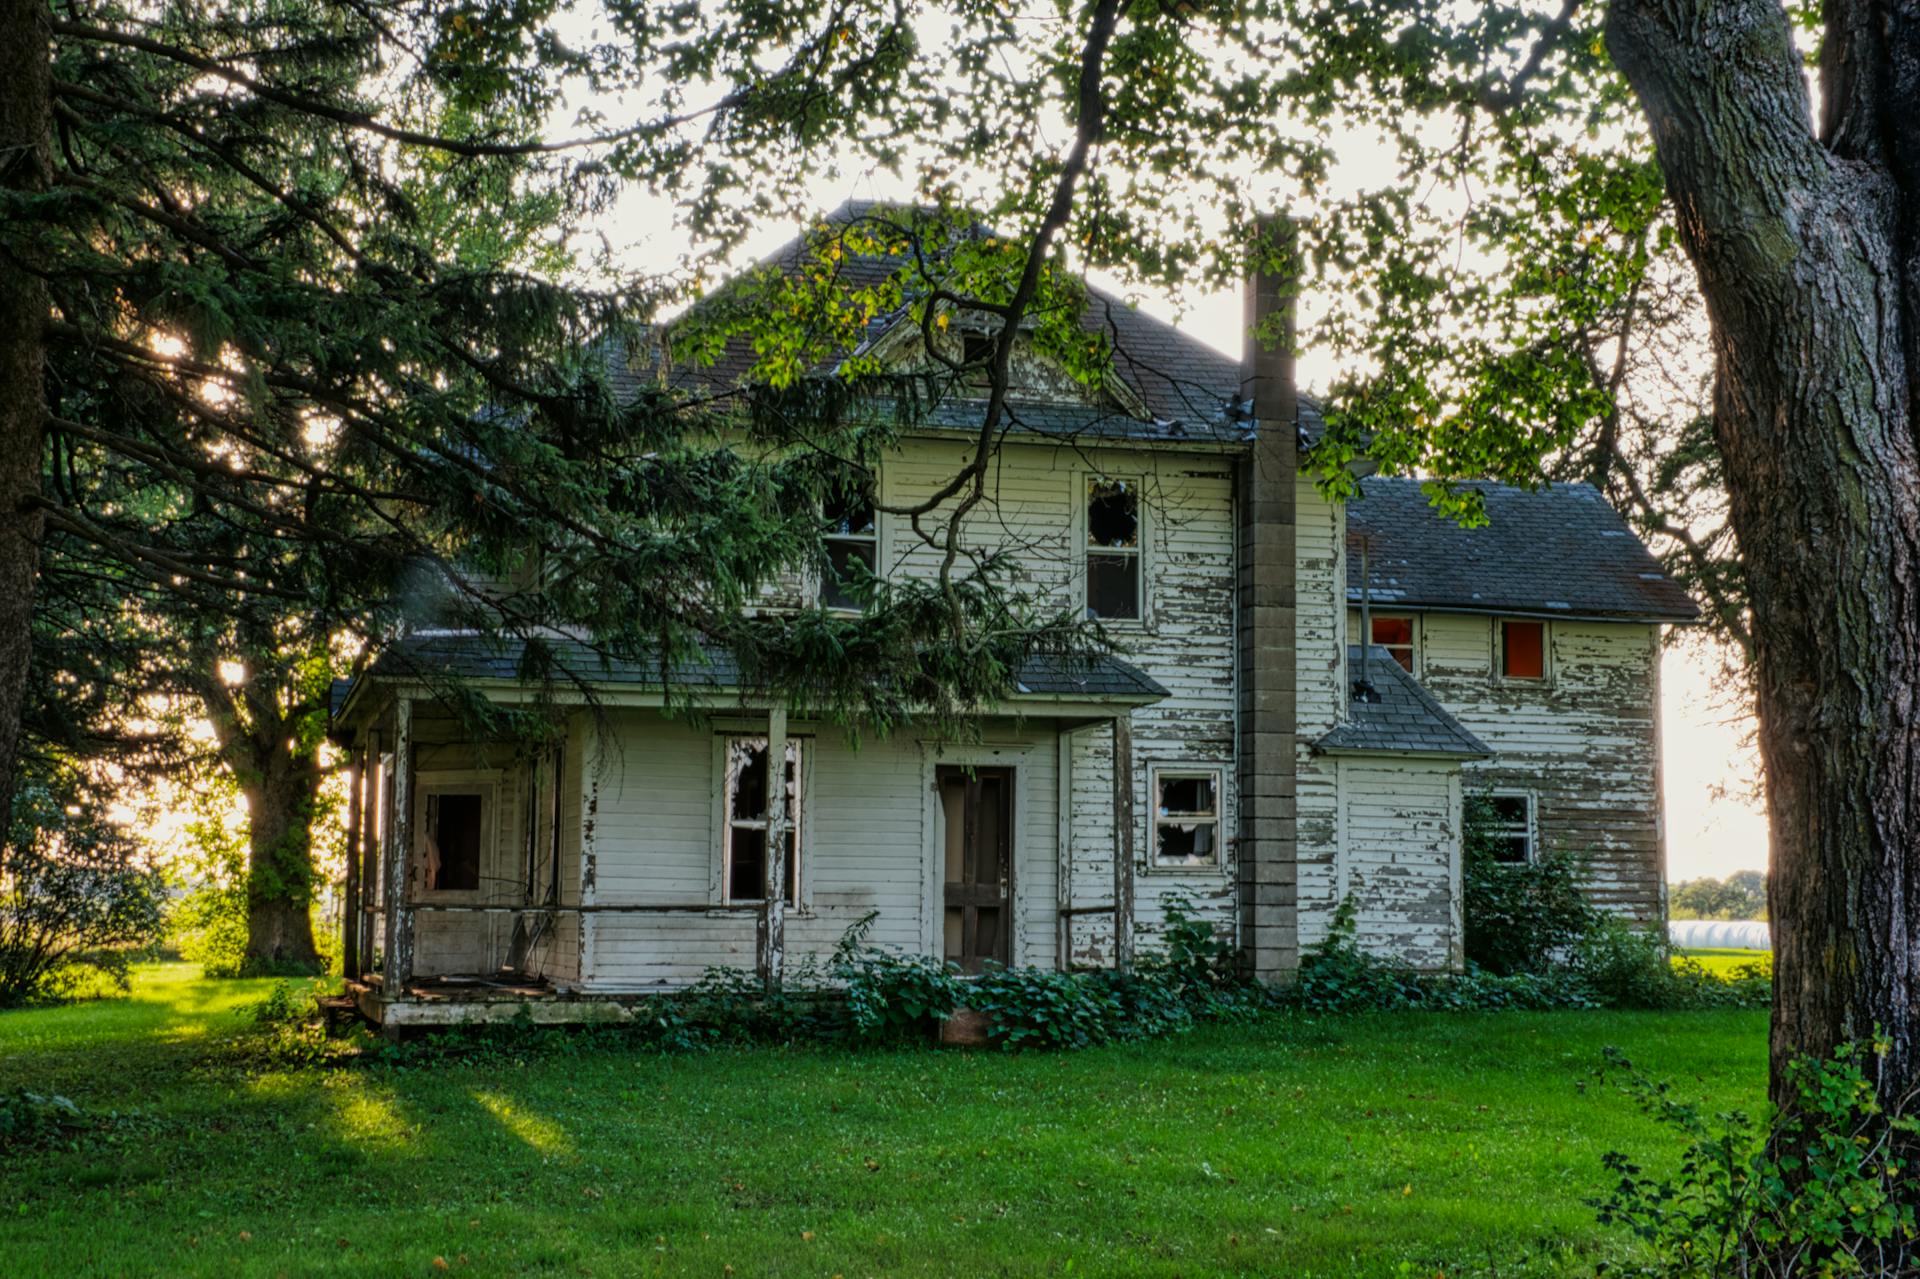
<point x="865" y="848"/>
<point x="1399" y="857"/>
<point x="1585" y="743"/>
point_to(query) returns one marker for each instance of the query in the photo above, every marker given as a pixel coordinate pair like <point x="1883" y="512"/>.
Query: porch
<point x="632" y="851"/>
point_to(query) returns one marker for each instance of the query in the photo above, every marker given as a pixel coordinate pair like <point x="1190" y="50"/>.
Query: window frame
<point x="1532" y="822"/>
<point x="869" y="539"/>
<point x="1216" y="773"/>
<point x="1545" y="678"/>
<point x="799" y="746"/>
<point x="1084" y="480"/>
<point x="1413" y="645"/>
<point x="486" y="784"/>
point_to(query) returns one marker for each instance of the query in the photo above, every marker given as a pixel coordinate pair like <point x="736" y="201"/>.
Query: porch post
<point x="350" y="911"/>
<point x="1123" y="841"/>
<point x="773" y="913"/>
<point x="1063" y="852"/>
<point x="368" y="851"/>
<point x="399" y="958"/>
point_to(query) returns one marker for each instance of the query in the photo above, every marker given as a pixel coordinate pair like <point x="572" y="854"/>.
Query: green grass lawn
<point x="1378" y="1145"/>
<point x="1722" y="961"/>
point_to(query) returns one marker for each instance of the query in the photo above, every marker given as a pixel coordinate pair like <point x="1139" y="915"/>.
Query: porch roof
<point x="1405" y="721"/>
<point x="476" y="657"/>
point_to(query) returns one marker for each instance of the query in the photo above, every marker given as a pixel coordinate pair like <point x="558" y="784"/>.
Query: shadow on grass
<point x="1330" y="1146"/>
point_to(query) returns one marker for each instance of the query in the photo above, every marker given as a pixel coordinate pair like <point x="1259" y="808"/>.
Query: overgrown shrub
<point x="891" y="996"/>
<point x="1336" y="975"/>
<point x="1520" y="918"/>
<point x="1613" y="964"/>
<point x="1630" y="966"/>
<point x="37" y="1119"/>
<point x="73" y="888"/>
<point x="1043" y="1008"/>
<point x="1826" y="1189"/>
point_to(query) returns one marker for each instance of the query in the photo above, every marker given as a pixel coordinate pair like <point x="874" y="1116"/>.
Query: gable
<point x="1163" y="385"/>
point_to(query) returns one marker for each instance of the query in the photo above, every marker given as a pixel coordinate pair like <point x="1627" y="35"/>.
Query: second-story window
<point x="1113" y="550"/>
<point x="1395" y="634"/>
<point x="853" y="548"/>
<point x="1523" y="650"/>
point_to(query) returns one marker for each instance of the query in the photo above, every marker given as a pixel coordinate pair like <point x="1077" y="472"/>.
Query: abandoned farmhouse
<point x="1307" y="693"/>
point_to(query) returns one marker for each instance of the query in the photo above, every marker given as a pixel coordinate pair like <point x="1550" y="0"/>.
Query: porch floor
<point x="462" y="999"/>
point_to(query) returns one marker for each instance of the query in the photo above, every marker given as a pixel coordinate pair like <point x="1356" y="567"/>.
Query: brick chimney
<point x="1266" y="674"/>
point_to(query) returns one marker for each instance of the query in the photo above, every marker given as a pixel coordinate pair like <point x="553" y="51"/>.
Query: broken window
<point x="1113" y="549"/>
<point x="1186" y="818"/>
<point x="1510" y="828"/>
<point x="453" y="841"/>
<point x="744" y="869"/>
<point x="1395" y="634"/>
<point x="853" y="549"/>
<point x="1523" y="650"/>
<point x="976" y="353"/>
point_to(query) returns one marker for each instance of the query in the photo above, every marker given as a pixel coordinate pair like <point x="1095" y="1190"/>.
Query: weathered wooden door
<point x="977" y="807"/>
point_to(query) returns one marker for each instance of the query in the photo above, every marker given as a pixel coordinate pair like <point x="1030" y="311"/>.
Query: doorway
<point x="976" y="806"/>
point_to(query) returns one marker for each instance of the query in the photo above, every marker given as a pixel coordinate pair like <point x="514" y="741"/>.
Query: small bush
<point x="1336" y="975"/>
<point x="1825" y="1189"/>
<point x="1519" y="918"/>
<point x="894" y="997"/>
<point x="1192" y="956"/>
<point x="1042" y="1008"/>
<point x="38" y="1119"/>
<point x="1630" y="966"/>
<point x="73" y="889"/>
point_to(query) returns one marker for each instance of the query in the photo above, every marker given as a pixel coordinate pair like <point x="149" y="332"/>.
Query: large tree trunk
<point x="25" y="165"/>
<point x="1801" y="242"/>
<point x="282" y="792"/>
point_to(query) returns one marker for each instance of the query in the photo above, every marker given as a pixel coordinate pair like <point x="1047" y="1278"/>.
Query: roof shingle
<point x="1556" y="551"/>
<point x="1404" y="721"/>
<point x="467" y="655"/>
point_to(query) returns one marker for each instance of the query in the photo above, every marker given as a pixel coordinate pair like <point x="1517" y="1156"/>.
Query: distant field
<point x="1725" y="961"/>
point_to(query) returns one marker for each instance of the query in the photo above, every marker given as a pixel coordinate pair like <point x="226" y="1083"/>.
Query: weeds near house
<point x="1357" y="1146"/>
<point x="1827" y="1189"/>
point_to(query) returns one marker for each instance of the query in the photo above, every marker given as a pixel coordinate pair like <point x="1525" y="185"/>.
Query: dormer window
<point x="1113" y="550"/>
<point x="976" y="352"/>
<point x="852" y="546"/>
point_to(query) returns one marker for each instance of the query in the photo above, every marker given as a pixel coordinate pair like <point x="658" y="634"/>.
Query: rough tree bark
<point x="1804" y="245"/>
<point x="26" y="164"/>
<point x="281" y="776"/>
<point x="282" y="792"/>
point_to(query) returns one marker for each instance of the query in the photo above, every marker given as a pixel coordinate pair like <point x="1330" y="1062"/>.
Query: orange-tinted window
<point x="1523" y="650"/>
<point x="1395" y="634"/>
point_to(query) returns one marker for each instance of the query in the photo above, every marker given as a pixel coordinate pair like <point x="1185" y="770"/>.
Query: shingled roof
<point x="1404" y="721"/>
<point x="470" y="655"/>
<point x="1558" y="551"/>
<point x="1187" y="386"/>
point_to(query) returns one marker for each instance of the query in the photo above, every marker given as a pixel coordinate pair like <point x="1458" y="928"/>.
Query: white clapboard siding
<point x="1584" y="743"/>
<point x="866" y="847"/>
<point x="1035" y="511"/>
<point x="1321" y="663"/>
<point x="1399" y="858"/>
